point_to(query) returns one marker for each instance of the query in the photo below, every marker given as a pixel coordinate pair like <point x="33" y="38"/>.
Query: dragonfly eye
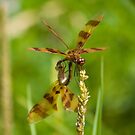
<point x="80" y="61"/>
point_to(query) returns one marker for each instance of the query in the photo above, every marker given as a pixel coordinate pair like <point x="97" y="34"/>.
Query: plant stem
<point x="6" y="93"/>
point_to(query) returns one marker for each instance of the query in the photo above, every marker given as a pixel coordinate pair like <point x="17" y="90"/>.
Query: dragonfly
<point x="48" y="104"/>
<point x="73" y="55"/>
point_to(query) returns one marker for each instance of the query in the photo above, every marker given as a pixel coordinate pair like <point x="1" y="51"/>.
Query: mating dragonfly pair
<point x="69" y="100"/>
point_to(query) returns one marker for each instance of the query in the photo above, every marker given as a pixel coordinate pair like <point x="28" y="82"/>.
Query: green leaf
<point x="29" y="104"/>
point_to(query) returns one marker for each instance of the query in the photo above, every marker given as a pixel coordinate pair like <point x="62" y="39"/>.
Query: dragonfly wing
<point x="91" y="50"/>
<point x="55" y="33"/>
<point x="47" y="50"/>
<point x="69" y="99"/>
<point x="87" y="31"/>
<point x="45" y="107"/>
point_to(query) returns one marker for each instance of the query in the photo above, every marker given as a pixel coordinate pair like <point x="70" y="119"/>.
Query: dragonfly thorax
<point x="74" y="56"/>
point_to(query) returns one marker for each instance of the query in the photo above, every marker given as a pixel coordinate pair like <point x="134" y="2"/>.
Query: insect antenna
<point x="54" y="33"/>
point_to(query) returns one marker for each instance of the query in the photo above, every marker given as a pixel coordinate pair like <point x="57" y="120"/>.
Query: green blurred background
<point x="31" y="73"/>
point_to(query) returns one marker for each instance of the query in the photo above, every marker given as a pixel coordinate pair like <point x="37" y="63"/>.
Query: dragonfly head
<point x="80" y="61"/>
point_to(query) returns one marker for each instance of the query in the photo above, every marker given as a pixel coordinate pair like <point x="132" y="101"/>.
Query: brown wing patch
<point x="57" y="92"/>
<point x="67" y="104"/>
<point x="50" y="99"/>
<point x="87" y="31"/>
<point x="71" y="95"/>
<point x="63" y="97"/>
<point x="93" y="22"/>
<point x="84" y="34"/>
<point x="37" y="113"/>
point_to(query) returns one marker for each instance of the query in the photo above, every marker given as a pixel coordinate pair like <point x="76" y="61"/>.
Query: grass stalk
<point x="98" y="117"/>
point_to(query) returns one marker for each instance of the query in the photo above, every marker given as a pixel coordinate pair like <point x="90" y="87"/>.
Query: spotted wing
<point x="47" y="50"/>
<point x="69" y="99"/>
<point x="91" y="50"/>
<point x="46" y="106"/>
<point x="87" y="31"/>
